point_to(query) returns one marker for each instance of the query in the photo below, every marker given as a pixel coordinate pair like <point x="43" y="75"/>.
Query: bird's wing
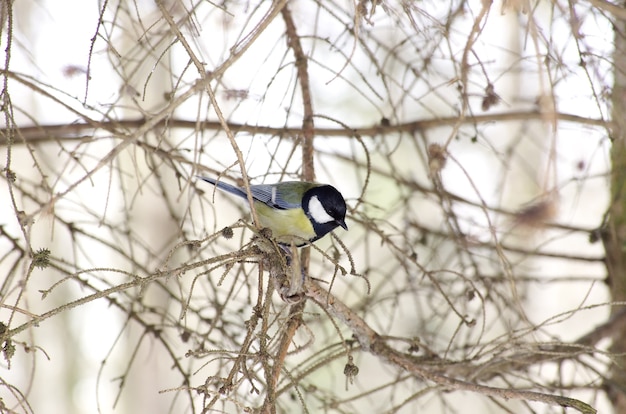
<point x="285" y="198"/>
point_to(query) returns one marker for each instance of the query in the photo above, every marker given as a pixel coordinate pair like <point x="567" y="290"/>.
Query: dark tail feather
<point x="223" y="186"/>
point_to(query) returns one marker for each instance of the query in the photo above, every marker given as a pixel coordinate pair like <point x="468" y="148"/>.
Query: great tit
<point x="295" y="211"/>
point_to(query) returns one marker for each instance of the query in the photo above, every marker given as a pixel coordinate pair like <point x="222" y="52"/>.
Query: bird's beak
<point x="343" y="224"/>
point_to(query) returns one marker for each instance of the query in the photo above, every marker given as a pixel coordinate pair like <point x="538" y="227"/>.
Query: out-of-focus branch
<point x="614" y="9"/>
<point x="613" y="235"/>
<point x="45" y="133"/>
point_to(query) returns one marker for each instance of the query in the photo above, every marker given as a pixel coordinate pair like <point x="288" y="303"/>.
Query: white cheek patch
<point x="317" y="212"/>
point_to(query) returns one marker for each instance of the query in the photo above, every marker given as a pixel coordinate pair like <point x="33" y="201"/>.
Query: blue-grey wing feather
<point x="270" y="195"/>
<point x="265" y="193"/>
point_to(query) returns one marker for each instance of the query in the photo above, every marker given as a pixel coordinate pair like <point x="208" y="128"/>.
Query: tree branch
<point x="54" y="132"/>
<point x="371" y="342"/>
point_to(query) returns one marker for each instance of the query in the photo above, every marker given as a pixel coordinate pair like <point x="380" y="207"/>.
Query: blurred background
<point x="476" y="145"/>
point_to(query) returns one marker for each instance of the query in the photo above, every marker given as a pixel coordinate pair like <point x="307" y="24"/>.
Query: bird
<point x="298" y="212"/>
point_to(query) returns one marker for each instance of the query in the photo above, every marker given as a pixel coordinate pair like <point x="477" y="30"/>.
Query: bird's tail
<point x="224" y="186"/>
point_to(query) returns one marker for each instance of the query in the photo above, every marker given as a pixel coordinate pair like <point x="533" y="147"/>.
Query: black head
<point x="325" y="208"/>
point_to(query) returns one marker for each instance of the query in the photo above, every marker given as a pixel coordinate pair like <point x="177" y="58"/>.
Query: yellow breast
<point x="285" y="224"/>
